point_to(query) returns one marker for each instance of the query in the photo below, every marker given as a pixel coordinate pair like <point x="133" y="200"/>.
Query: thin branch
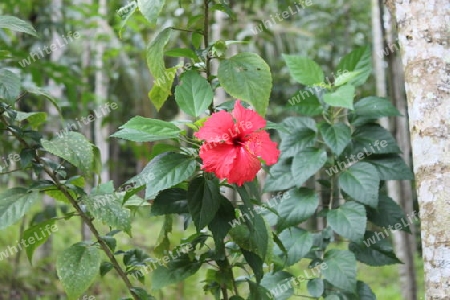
<point x="206" y="43"/>
<point x="180" y="29"/>
<point x="82" y="214"/>
<point x="8" y="172"/>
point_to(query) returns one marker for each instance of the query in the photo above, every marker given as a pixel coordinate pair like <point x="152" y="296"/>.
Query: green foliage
<point x="246" y="76"/>
<point x="177" y="270"/>
<point x="203" y="201"/>
<point x="193" y="94"/>
<point x="299" y="207"/>
<point x="77" y="268"/>
<point x="342" y="97"/>
<point x="39" y="234"/>
<point x="341" y="269"/>
<point x="9" y="86"/>
<point x="16" y="24"/>
<point x="151" y="9"/>
<point x="304" y="70"/>
<point x="259" y="238"/>
<point x="348" y="220"/>
<point x="155" y="61"/>
<point x="140" y="129"/>
<point x="73" y="147"/>
<point x="14" y="203"/>
<point x="105" y="205"/>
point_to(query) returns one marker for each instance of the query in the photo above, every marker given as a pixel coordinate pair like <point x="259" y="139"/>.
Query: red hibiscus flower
<point x="234" y="142"/>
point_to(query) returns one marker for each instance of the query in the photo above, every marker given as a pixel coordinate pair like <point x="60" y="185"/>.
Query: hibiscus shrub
<point x="335" y="146"/>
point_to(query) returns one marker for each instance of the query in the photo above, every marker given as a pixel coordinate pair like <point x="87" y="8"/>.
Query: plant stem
<point x="82" y="214"/>
<point x="206" y="44"/>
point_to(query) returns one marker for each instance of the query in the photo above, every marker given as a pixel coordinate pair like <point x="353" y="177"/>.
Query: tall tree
<point x="424" y="41"/>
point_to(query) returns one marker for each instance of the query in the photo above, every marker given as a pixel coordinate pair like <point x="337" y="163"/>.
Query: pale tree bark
<point x="403" y="249"/>
<point x="56" y="92"/>
<point x="423" y="28"/>
<point x="85" y="63"/>
<point x="101" y="133"/>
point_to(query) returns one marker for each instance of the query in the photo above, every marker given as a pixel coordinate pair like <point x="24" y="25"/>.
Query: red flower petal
<point x="260" y="144"/>
<point x="218" y="158"/>
<point x="217" y="128"/>
<point x="245" y="167"/>
<point x="247" y="119"/>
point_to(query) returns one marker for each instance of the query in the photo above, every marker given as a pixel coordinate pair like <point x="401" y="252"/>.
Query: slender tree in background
<point x="405" y="252"/>
<point x="423" y="28"/>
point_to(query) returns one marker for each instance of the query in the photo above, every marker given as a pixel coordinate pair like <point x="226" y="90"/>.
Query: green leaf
<point x="388" y="214"/>
<point x="304" y="70"/>
<point x="182" y="52"/>
<point x="172" y="201"/>
<point x="151" y="9"/>
<point x="302" y="134"/>
<point x="301" y="205"/>
<point x="155" y="61"/>
<point x="298" y="243"/>
<point x="315" y="287"/>
<point x="376" y="251"/>
<point x="14" y="203"/>
<point x="253" y="235"/>
<point x="361" y="182"/>
<point x="77" y="268"/>
<point x="306" y="163"/>
<point x="279" y="178"/>
<point x="275" y="283"/>
<point x="16" y="24"/>
<point x="73" y="147"/>
<point x="197" y="39"/>
<point x="372" y="138"/>
<point x="341" y="270"/>
<point x="125" y="13"/>
<point x="34" y="119"/>
<point x="204" y="199"/>
<point x="342" y="97"/>
<point x="345" y="77"/>
<point x="9" y="86"/>
<point x="305" y="103"/>
<point x="106" y="206"/>
<point x="221" y="224"/>
<point x="391" y="167"/>
<point x="359" y="60"/>
<point x="37" y="235"/>
<point x="375" y="108"/>
<point x="255" y="262"/>
<point x="336" y="136"/>
<point x="246" y="76"/>
<point x="257" y="292"/>
<point x="41" y="92"/>
<point x="163" y="172"/>
<point x="140" y="129"/>
<point x="177" y="270"/>
<point x="193" y="94"/>
<point x="349" y="220"/>
<point x="364" y="292"/>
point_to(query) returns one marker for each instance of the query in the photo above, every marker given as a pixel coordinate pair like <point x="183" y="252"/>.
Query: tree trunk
<point x="424" y="41"/>
<point x="101" y="133"/>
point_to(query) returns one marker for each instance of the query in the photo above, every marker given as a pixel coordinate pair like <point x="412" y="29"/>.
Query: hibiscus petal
<point x="245" y="167"/>
<point x="260" y="144"/>
<point x="247" y="119"/>
<point x="217" y="128"/>
<point x="218" y="158"/>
